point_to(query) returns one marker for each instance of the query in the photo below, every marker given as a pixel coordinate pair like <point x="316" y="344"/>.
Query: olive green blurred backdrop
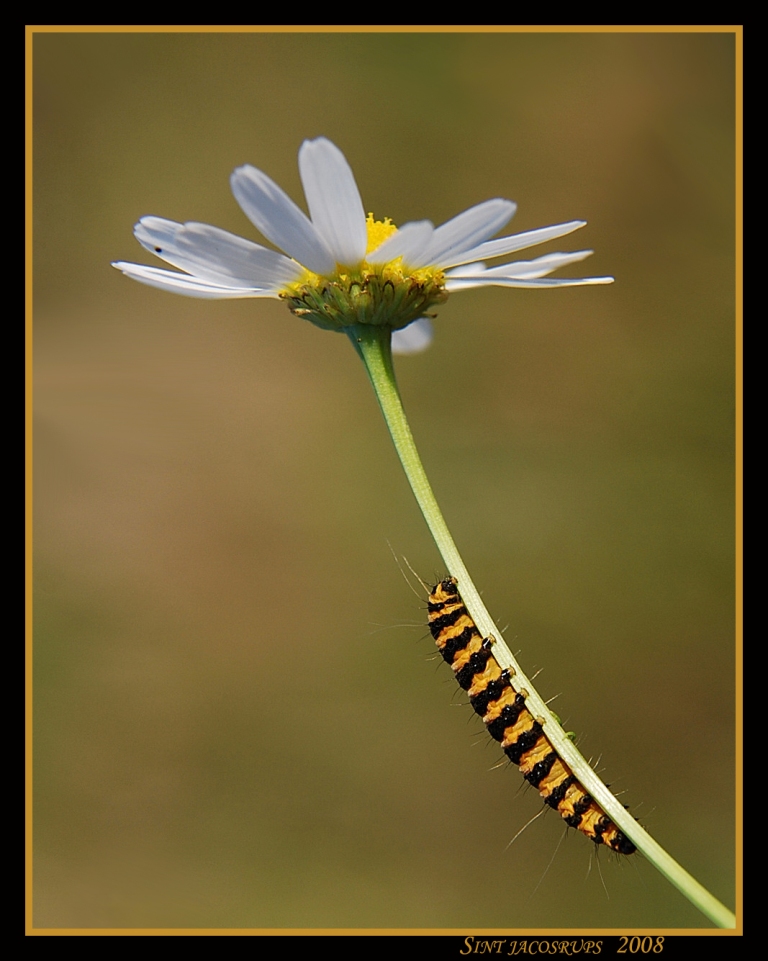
<point x="239" y="720"/>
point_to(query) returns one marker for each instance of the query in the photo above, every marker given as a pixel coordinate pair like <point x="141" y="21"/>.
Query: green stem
<point x="373" y="344"/>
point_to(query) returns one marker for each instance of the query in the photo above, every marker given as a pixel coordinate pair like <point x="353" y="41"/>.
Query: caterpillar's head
<point x="449" y="587"/>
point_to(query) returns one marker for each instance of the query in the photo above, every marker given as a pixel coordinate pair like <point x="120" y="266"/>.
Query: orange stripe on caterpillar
<point x="508" y="720"/>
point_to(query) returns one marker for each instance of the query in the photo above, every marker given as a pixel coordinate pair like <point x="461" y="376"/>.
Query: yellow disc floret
<point x="378" y="232"/>
<point x="387" y="295"/>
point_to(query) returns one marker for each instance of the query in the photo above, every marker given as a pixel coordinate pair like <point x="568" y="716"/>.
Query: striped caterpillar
<point x="508" y="720"/>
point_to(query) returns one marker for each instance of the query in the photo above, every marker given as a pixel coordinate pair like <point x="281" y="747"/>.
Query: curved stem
<point x="373" y="344"/>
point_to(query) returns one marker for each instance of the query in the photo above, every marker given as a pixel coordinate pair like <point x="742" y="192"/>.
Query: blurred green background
<point x="238" y="717"/>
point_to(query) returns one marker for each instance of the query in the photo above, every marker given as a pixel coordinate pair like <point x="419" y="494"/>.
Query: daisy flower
<point x="340" y="268"/>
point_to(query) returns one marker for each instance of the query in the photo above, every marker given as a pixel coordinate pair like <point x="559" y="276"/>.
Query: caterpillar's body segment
<point x="508" y="720"/>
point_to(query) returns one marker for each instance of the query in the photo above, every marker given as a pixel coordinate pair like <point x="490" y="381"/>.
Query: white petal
<point x="184" y="284"/>
<point x="409" y="242"/>
<point x="215" y="255"/>
<point x="273" y="212"/>
<point x="506" y="245"/>
<point x="524" y="269"/>
<point x="333" y="200"/>
<point x="465" y="231"/>
<point x="414" y="338"/>
<point x="469" y="270"/>
<point x="483" y="280"/>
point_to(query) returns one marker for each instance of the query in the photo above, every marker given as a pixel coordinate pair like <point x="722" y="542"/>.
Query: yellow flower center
<point x="387" y="295"/>
<point x="378" y="232"/>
